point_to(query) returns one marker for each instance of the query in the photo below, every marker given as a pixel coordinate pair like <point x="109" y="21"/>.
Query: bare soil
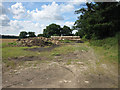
<point x="78" y="69"/>
<point x="41" y="49"/>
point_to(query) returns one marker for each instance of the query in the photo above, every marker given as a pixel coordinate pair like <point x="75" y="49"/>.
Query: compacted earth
<point x="79" y="68"/>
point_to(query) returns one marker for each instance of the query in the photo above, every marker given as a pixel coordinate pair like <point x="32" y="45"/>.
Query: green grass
<point x="57" y="51"/>
<point x="4" y="45"/>
<point x="82" y="48"/>
<point x="12" y="44"/>
<point x="16" y="52"/>
<point x="65" y="41"/>
<point x="106" y="49"/>
<point x="11" y="52"/>
<point x="69" y="48"/>
<point x="8" y="51"/>
<point x="55" y="54"/>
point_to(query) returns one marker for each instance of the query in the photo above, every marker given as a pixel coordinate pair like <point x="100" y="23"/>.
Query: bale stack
<point x="65" y="37"/>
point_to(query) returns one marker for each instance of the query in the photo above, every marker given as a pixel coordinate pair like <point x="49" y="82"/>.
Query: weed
<point x="106" y="49"/>
<point x="68" y="63"/>
<point x="65" y="41"/>
<point x="55" y="54"/>
<point x="13" y="43"/>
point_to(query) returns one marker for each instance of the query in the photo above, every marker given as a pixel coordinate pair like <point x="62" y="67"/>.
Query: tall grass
<point x="106" y="49"/>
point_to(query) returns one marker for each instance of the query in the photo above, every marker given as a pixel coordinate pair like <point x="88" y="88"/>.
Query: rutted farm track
<point x="78" y="69"/>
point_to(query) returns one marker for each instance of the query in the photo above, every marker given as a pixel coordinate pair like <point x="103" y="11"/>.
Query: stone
<point x="86" y="81"/>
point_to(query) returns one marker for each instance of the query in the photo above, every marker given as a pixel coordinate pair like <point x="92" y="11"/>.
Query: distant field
<point x="7" y="40"/>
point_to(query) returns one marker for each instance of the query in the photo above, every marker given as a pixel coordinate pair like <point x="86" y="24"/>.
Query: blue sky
<point x="35" y="16"/>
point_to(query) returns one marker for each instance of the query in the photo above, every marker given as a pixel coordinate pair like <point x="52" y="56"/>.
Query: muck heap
<point x="37" y="41"/>
<point x="42" y="41"/>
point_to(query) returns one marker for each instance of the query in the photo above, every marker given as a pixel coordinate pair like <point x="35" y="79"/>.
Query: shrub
<point x="13" y="43"/>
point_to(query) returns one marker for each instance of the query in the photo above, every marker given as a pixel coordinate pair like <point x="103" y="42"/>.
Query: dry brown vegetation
<point x="7" y="40"/>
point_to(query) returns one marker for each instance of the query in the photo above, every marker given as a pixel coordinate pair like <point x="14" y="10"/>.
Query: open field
<point x="73" y="65"/>
<point x="7" y="40"/>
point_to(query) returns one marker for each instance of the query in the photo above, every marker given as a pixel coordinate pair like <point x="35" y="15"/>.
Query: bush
<point x="12" y="44"/>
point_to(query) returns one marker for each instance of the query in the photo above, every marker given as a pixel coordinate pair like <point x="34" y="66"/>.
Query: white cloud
<point x="4" y="20"/>
<point x="77" y="2"/>
<point x="66" y="8"/>
<point x="18" y="11"/>
<point x="70" y="24"/>
<point x="17" y="26"/>
<point x="74" y="31"/>
<point x="50" y="12"/>
<point x="117" y="0"/>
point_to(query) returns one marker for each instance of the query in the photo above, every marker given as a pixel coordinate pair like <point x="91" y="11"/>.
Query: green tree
<point x="40" y="35"/>
<point x="52" y="29"/>
<point x="66" y="31"/>
<point x="31" y="34"/>
<point x="98" y="20"/>
<point x="76" y="34"/>
<point x="23" y="34"/>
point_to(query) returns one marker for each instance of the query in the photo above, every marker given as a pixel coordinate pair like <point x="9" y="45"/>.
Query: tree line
<point x="8" y="36"/>
<point x="56" y="30"/>
<point x="51" y="30"/>
<point x="99" y="20"/>
<point x="25" y="34"/>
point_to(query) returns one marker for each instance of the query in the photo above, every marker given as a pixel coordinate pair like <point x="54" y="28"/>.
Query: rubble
<point x="37" y="41"/>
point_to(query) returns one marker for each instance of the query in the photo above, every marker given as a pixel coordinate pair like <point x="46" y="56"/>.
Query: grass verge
<point x="106" y="49"/>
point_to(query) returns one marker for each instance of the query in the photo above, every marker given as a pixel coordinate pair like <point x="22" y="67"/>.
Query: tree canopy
<point x="66" y="31"/>
<point x="52" y="29"/>
<point x="31" y="34"/>
<point x="23" y="34"/>
<point x="98" y="20"/>
<point x="56" y="30"/>
<point x="40" y="35"/>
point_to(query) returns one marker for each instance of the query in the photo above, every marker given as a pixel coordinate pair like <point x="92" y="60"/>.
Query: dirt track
<point x="81" y="72"/>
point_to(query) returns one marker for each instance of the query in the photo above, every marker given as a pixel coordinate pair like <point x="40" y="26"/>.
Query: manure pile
<point x="37" y="41"/>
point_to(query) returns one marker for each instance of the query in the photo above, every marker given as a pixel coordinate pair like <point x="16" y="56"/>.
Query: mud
<point x="25" y="58"/>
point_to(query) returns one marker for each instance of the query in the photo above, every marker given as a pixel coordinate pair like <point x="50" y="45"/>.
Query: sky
<point x="35" y="16"/>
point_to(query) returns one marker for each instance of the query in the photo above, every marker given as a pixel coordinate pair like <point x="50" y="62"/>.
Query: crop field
<point x="7" y="40"/>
